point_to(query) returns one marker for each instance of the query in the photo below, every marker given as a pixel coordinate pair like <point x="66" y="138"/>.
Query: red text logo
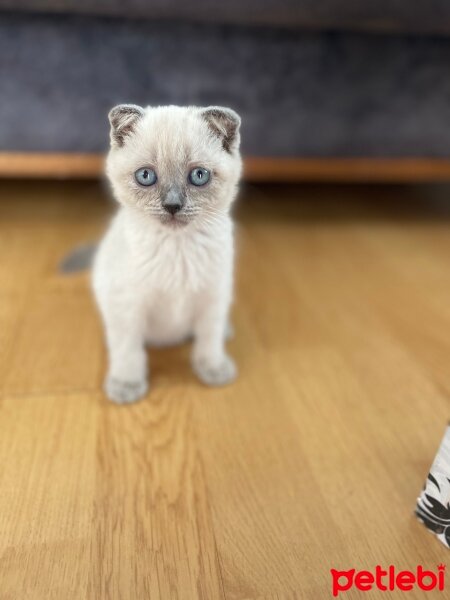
<point x="388" y="580"/>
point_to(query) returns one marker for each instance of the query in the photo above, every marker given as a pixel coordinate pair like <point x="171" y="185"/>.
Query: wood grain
<point x="256" y="168"/>
<point x="312" y="460"/>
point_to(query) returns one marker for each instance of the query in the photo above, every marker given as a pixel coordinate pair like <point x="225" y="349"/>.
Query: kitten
<point x="164" y="271"/>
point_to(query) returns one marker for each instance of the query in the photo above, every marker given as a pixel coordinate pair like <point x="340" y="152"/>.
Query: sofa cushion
<point x="308" y="94"/>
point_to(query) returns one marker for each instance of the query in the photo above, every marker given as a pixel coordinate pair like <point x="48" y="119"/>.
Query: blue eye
<point x="145" y="176"/>
<point x="199" y="176"/>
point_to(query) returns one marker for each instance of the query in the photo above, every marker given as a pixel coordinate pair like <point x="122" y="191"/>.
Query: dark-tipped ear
<point x="123" y="119"/>
<point x="225" y="123"/>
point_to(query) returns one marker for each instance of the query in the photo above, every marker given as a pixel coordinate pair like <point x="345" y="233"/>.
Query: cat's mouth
<point x="176" y="220"/>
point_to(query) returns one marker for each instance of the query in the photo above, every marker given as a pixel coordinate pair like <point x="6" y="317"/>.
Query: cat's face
<point x="176" y="164"/>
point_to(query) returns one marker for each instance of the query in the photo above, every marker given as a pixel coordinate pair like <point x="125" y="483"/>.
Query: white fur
<point x="156" y="283"/>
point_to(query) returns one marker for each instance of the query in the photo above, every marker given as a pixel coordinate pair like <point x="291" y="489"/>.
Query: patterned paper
<point x="433" y="504"/>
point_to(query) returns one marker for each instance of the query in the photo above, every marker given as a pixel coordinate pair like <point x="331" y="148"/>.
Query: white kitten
<point x="164" y="271"/>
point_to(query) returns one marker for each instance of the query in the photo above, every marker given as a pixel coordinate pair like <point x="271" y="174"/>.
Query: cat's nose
<point x="173" y="206"/>
<point x="173" y="202"/>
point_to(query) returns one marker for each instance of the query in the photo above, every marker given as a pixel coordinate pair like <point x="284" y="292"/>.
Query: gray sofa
<point x="310" y="79"/>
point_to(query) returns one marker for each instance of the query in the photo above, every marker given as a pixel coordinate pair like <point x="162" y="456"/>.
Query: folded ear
<point x="225" y="123"/>
<point x="123" y="119"/>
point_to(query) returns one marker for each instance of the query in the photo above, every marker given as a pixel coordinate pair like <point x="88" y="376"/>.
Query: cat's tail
<point x="80" y="259"/>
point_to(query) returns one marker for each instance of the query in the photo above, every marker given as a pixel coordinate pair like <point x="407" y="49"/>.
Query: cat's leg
<point x="210" y="361"/>
<point x="126" y="380"/>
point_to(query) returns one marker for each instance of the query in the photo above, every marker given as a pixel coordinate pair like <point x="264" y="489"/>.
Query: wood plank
<point x="256" y="168"/>
<point x="152" y="535"/>
<point x="47" y="483"/>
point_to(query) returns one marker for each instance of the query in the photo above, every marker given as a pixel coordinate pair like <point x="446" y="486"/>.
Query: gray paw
<point x="221" y="374"/>
<point x="125" y="392"/>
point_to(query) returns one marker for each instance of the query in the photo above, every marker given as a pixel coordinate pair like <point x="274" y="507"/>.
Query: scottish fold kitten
<point x="164" y="271"/>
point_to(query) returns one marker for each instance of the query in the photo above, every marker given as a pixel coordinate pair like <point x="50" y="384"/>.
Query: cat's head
<point x="176" y="164"/>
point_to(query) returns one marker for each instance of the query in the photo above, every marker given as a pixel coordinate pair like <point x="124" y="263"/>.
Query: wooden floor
<point x="312" y="460"/>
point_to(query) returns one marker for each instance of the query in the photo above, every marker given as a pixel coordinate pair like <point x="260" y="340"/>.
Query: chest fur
<point x="174" y="263"/>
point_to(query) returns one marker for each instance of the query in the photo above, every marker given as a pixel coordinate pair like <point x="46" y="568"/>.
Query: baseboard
<point x="352" y="170"/>
<point x="47" y="165"/>
<point x="256" y="169"/>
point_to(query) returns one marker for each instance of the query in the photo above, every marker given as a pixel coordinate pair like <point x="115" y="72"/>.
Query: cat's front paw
<point x="125" y="392"/>
<point x="215" y="374"/>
